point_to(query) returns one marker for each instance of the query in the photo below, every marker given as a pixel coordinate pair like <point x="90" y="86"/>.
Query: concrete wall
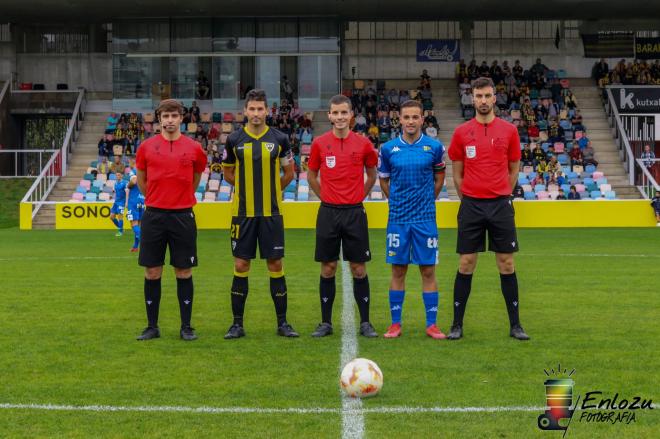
<point x="92" y="71"/>
<point x="7" y="60"/>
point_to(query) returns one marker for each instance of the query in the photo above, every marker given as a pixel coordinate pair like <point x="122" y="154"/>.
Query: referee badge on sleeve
<point x="330" y="161"/>
<point x="471" y="151"/>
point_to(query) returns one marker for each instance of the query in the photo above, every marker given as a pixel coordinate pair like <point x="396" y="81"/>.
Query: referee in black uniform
<point x="485" y="154"/>
<point x="252" y="161"/>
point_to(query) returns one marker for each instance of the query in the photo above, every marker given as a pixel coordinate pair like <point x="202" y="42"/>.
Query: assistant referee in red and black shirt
<point x="342" y="157"/>
<point x="485" y="154"/>
<point x="169" y="168"/>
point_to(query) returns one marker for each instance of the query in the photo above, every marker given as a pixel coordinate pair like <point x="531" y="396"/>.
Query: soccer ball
<point x="361" y="378"/>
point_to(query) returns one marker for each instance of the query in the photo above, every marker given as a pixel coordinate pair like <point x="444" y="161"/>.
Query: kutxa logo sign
<point x="633" y="100"/>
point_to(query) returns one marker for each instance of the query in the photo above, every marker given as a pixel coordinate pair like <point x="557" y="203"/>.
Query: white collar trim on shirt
<point x="410" y="144"/>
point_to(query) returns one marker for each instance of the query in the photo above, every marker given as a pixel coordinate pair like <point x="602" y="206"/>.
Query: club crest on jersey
<point x="330" y="161"/>
<point x="471" y="151"/>
<point x="269" y="146"/>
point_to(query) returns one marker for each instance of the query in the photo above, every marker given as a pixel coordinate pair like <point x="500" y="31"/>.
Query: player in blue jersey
<point x="117" y="211"/>
<point x="135" y="209"/>
<point x="412" y="173"/>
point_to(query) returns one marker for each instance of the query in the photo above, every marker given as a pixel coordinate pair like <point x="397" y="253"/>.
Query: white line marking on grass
<point x="353" y="412"/>
<point x="352" y="418"/>
<point x="64" y="258"/>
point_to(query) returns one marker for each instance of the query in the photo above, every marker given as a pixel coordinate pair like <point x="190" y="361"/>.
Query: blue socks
<point x="115" y="222"/>
<point x="120" y="225"/>
<point x="396" y="305"/>
<point x="431" y="306"/>
<point x="136" y="231"/>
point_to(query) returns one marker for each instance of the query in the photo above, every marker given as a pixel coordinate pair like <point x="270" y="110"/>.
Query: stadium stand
<point x="556" y="151"/>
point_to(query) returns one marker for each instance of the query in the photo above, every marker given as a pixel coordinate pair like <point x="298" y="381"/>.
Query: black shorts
<point x="476" y="216"/>
<point x="245" y="232"/>
<point x="345" y="225"/>
<point x="174" y="228"/>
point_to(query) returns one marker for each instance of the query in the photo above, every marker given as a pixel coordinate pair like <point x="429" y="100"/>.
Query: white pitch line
<point x="353" y="412"/>
<point x="352" y="418"/>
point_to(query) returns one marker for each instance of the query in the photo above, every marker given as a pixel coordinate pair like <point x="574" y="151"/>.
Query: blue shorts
<point x="117" y="209"/>
<point x="415" y="243"/>
<point x="134" y="212"/>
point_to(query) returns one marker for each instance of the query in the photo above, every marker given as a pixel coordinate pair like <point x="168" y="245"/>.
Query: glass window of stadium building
<point x="216" y="61"/>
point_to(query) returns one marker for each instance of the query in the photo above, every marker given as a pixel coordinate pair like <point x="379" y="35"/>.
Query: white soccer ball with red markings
<point x="361" y="378"/>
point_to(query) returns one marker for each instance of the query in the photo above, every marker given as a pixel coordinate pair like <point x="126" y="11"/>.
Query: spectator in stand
<point x="425" y="79"/>
<point x="103" y="167"/>
<point x="467" y="106"/>
<point x="518" y="192"/>
<point x="655" y="203"/>
<point x="648" y="157"/>
<point x="533" y="131"/>
<point x="384" y="125"/>
<point x="117" y="166"/>
<point x="539" y="154"/>
<point x="373" y="131"/>
<point x="461" y="71"/>
<point x="601" y="70"/>
<point x="203" y="86"/>
<point x="555" y="132"/>
<point x="195" y="114"/>
<point x="517" y="71"/>
<point x="539" y="178"/>
<point x="484" y="70"/>
<point x="550" y="152"/>
<point x="573" y="194"/>
<point x="431" y="120"/>
<point x="561" y="195"/>
<point x="104" y="150"/>
<point x="360" y="123"/>
<point x="577" y="158"/>
<point x="393" y="99"/>
<point x="430" y="131"/>
<point x="473" y="70"/>
<point x="588" y="156"/>
<point x="465" y="87"/>
<point x="543" y="167"/>
<point x="584" y="141"/>
<point x="496" y="72"/>
<point x="506" y="69"/>
<point x="502" y="98"/>
<point x="526" y="156"/>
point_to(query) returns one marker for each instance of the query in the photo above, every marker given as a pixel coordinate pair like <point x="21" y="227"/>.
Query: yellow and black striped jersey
<point x="257" y="174"/>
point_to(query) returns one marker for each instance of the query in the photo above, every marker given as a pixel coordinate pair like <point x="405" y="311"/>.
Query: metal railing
<point x="29" y="165"/>
<point x="649" y="186"/>
<point x="620" y="138"/>
<point x="57" y="165"/>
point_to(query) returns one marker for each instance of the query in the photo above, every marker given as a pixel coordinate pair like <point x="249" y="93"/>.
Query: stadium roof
<point x="46" y="11"/>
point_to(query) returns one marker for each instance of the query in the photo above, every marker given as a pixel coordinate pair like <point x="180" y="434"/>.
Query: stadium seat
<point x="610" y="195"/>
<point x="81" y="190"/>
<point x="107" y="189"/>
<point x="104" y="196"/>
<point x="223" y="196"/>
<point x="595" y="194"/>
<point x="553" y="195"/>
<point x="206" y="117"/>
<point x="527" y="188"/>
<point x="597" y="175"/>
<point x="228" y="117"/>
<point x="566" y="188"/>
<point x="523" y="181"/>
<point x="77" y="196"/>
<point x="192" y="128"/>
<point x="209" y="196"/>
<point x="214" y="185"/>
<point x="95" y="190"/>
<point x="562" y="159"/>
<point x="530" y="196"/>
<point x="605" y="187"/>
<point x="89" y="177"/>
<point x="543" y="195"/>
<point x="225" y="189"/>
<point x="111" y="183"/>
<point x="98" y="183"/>
<point x="377" y="195"/>
<point x="306" y="149"/>
<point x="227" y="127"/>
<point x="539" y="188"/>
<point x="588" y="181"/>
<point x="303" y="189"/>
<point x="559" y="147"/>
<point x="90" y="196"/>
<point x="217" y="117"/>
<point x="198" y="196"/>
<point x="303" y="196"/>
<point x="112" y="177"/>
<point x="553" y="188"/>
<point x="580" y="188"/>
<point x="85" y="183"/>
<point x="528" y="169"/>
<point x="289" y="196"/>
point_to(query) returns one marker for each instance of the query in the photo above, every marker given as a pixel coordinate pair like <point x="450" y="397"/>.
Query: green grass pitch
<point x="71" y="304"/>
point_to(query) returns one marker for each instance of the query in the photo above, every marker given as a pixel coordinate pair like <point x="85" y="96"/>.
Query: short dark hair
<point x="169" y="105"/>
<point x="482" y="82"/>
<point x="412" y="103"/>
<point x="257" y="95"/>
<point x="341" y="99"/>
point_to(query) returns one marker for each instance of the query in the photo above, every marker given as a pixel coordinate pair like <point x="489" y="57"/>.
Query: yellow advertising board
<point x="302" y="215"/>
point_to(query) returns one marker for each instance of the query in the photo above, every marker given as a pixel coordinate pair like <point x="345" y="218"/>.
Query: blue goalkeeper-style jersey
<point x="120" y="193"/>
<point x="135" y="197"/>
<point x="411" y="169"/>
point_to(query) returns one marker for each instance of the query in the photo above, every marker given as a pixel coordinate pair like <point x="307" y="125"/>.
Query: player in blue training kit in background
<point x="117" y="211"/>
<point x="135" y="209"/>
<point x="412" y="173"/>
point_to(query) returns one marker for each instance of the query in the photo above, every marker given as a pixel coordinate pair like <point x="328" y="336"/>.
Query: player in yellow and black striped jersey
<point x="256" y="160"/>
<point x="253" y="158"/>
